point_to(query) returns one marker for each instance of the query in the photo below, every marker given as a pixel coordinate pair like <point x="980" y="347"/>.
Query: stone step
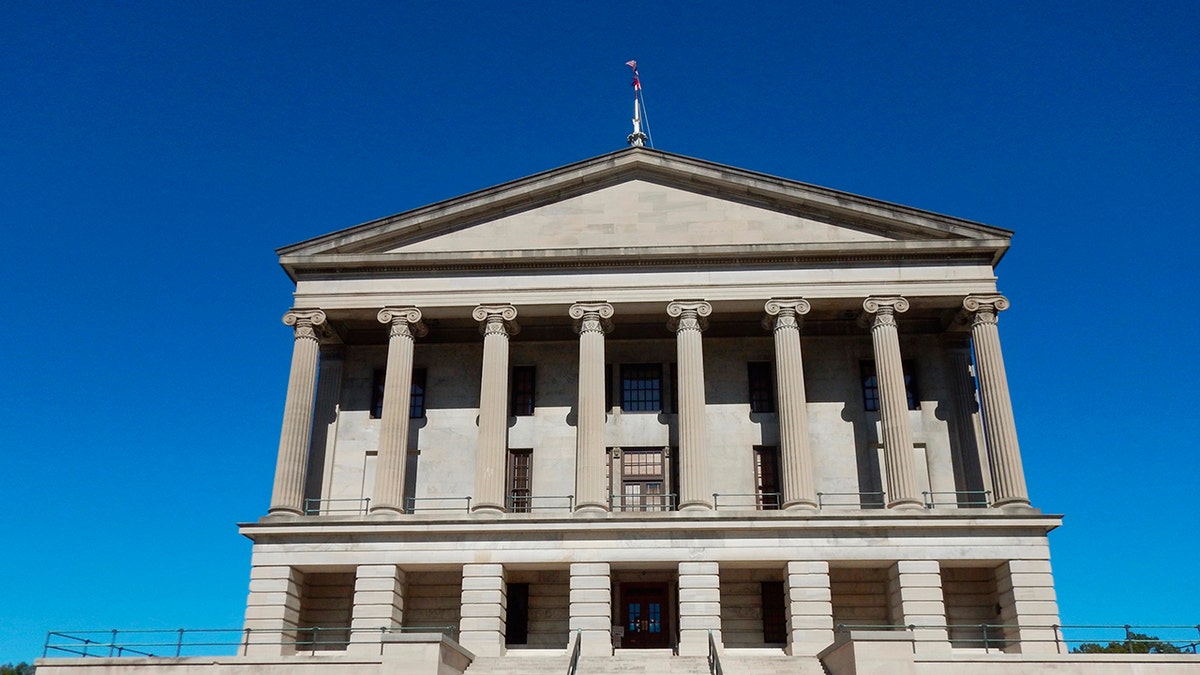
<point x="646" y="663"/>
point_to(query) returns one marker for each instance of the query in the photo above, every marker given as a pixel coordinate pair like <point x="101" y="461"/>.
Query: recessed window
<point x="641" y="387"/>
<point x="524" y="379"/>
<point x="520" y="480"/>
<point x="766" y="477"/>
<point x="762" y="387"/>
<point x="870" y="385"/>
<point x="416" y="401"/>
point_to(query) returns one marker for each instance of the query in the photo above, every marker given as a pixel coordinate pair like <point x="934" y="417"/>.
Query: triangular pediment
<point x="642" y="200"/>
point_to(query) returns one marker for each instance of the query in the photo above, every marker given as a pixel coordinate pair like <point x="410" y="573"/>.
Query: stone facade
<point x="646" y="403"/>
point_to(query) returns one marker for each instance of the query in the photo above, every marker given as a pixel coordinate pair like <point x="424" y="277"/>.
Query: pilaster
<point x="1029" y="605"/>
<point x="287" y="494"/>
<point x="591" y="608"/>
<point x="322" y="446"/>
<point x="484" y="609"/>
<point x="688" y="321"/>
<point x="809" y="607"/>
<point x="378" y="604"/>
<point x="917" y="601"/>
<point x="272" y="611"/>
<point x="795" y="450"/>
<point x="497" y="323"/>
<point x="699" y="607"/>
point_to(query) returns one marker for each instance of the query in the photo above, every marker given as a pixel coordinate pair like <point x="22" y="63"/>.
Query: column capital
<point x="496" y="318"/>
<point x="784" y="312"/>
<point x="592" y="316"/>
<point x="688" y="315"/>
<point x="885" y="308"/>
<point x="984" y="308"/>
<point x="405" y="321"/>
<point x="304" y="322"/>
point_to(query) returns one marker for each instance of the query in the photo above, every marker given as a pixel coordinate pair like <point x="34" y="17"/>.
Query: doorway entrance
<point x="644" y="614"/>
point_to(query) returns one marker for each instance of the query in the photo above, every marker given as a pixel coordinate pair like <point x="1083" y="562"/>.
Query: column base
<point x="906" y="505"/>
<point x="487" y="510"/>
<point x="385" y="512"/>
<point x="695" y="507"/>
<point x="802" y="507"/>
<point x="590" y="511"/>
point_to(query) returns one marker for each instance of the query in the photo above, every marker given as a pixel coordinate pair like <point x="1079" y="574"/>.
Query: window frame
<point x="522" y="399"/>
<point x="649" y="385"/>
<point x="760" y="386"/>
<point x="869" y="381"/>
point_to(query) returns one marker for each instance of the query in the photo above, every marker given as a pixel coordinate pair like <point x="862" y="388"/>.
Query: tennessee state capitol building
<point x="648" y="405"/>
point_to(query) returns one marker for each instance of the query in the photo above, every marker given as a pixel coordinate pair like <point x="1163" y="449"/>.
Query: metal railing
<point x="1075" y="638"/>
<point x="217" y="641"/>
<point x="440" y="504"/>
<point x="860" y="500"/>
<point x="529" y="503"/>
<point x="714" y="659"/>
<point x="319" y="507"/>
<point x="642" y="502"/>
<point x="573" y="666"/>
<point x="762" y="501"/>
<point x="961" y="498"/>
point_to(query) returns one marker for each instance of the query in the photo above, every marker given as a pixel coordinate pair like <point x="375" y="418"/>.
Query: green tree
<point x="1135" y="643"/>
<point x="21" y="668"/>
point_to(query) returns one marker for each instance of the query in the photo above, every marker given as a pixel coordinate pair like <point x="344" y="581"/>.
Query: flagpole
<point x="637" y="139"/>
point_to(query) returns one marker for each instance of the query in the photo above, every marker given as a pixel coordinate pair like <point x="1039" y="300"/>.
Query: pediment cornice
<point x="919" y="232"/>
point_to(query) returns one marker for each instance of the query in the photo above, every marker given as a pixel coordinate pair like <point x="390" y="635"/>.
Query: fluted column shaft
<point x="591" y="491"/>
<point x="688" y="322"/>
<point x="999" y="426"/>
<point x="491" y="458"/>
<point x="287" y="495"/>
<point x="404" y="327"/>
<point x="893" y="402"/>
<point x="795" y="450"/>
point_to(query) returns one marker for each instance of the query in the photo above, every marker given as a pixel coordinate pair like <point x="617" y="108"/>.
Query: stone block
<point x="482" y="570"/>
<point x="481" y="623"/>
<point x="906" y="567"/>
<point x="699" y="568"/>
<point x="590" y="595"/>
<point x="807" y="567"/>
<point x="482" y="597"/>
<point x="595" y="622"/>
<point x="699" y="608"/>
<point x="810" y="594"/>
<point x="591" y="609"/>
<point x="488" y="609"/>
<point x="1029" y="566"/>
<point x="589" y="569"/>
<point x="481" y="583"/>
<point x="585" y="582"/>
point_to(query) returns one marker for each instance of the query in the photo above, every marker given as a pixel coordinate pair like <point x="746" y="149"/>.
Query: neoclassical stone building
<point x="648" y="407"/>
<point x="644" y="398"/>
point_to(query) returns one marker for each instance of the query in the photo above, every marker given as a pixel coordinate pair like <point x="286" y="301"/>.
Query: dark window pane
<point x="762" y="389"/>
<point x="773" y="613"/>
<point x="523" y="382"/>
<point x="871" y="386"/>
<point x="641" y="387"/>
<point x="766" y="476"/>
<point x="416" y="403"/>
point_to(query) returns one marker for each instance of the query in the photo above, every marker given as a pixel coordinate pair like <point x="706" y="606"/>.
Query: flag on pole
<point x="637" y="83"/>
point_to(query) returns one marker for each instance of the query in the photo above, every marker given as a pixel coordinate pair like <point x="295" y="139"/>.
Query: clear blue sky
<point x="154" y="154"/>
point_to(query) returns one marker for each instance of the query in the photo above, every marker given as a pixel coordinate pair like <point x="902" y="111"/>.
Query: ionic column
<point x="999" y="427"/>
<point x="893" y="402"/>
<point x="592" y="322"/>
<point x="687" y="320"/>
<point x="287" y="496"/>
<point x="497" y="324"/>
<point x="405" y="326"/>
<point x="795" y="452"/>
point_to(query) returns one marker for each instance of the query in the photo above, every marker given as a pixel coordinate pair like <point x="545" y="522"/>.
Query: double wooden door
<point x="644" y="615"/>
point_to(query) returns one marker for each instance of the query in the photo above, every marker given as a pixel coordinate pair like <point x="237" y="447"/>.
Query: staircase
<point x="645" y="662"/>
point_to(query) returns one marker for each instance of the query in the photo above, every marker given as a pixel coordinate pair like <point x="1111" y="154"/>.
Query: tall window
<point x="416" y="401"/>
<point x="643" y="480"/>
<point x="870" y="384"/>
<point x="762" y="389"/>
<point x="641" y="387"/>
<point x="520" y="481"/>
<point x="523" y="381"/>
<point x="766" y="476"/>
